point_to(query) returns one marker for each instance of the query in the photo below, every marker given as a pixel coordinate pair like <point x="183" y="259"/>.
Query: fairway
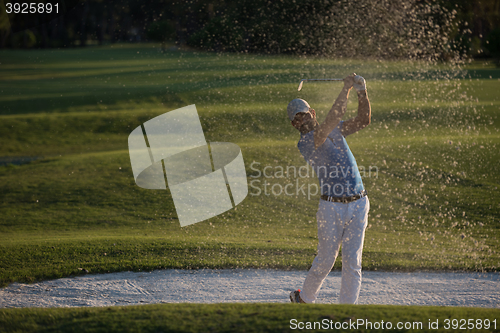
<point x="430" y="154"/>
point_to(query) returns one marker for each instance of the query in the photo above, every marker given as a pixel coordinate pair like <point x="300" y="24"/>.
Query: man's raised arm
<point x="363" y="118"/>
<point x="335" y="114"/>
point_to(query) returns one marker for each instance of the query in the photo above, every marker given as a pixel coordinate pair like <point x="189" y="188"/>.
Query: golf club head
<point x="300" y="85"/>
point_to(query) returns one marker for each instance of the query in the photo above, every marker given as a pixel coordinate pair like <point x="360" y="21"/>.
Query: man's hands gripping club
<point x="359" y="83"/>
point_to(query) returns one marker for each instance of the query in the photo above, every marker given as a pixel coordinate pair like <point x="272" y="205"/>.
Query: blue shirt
<point x="333" y="163"/>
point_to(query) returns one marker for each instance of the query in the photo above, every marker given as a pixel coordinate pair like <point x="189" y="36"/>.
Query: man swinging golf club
<point x="342" y="214"/>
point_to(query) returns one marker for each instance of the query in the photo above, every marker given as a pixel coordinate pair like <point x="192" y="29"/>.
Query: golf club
<point x="304" y="80"/>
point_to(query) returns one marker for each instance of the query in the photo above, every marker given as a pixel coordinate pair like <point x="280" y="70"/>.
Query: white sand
<point x="251" y="285"/>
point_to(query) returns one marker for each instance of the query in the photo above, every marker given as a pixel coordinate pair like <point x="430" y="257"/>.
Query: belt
<point x="344" y="199"/>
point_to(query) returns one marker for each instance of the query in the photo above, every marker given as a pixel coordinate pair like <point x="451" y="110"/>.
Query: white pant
<point x="338" y="223"/>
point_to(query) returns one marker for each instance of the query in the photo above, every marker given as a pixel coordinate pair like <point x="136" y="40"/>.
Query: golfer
<point x="342" y="214"/>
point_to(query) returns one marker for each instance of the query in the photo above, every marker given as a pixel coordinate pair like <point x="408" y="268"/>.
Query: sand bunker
<point x="251" y="286"/>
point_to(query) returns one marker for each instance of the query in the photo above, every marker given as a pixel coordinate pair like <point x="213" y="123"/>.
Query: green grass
<point x="434" y="138"/>
<point x="247" y="318"/>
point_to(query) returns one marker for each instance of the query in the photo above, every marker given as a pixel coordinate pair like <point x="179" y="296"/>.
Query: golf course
<point x="70" y="206"/>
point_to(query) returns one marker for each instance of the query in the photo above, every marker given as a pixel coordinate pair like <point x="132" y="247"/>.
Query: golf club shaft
<point x="305" y="80"/>
<point x="322" y="79"/>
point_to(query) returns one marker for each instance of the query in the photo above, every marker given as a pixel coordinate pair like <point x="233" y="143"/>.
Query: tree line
<point x="411" y="29"/>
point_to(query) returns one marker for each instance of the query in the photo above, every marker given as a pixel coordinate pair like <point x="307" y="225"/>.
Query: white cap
<point x="296" y="106"/>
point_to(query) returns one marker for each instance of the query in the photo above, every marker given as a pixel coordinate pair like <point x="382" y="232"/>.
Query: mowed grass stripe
<point x="248" y="318"/>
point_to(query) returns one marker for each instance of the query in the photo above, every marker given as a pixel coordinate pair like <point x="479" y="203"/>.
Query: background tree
<point x="411" y="29"/>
